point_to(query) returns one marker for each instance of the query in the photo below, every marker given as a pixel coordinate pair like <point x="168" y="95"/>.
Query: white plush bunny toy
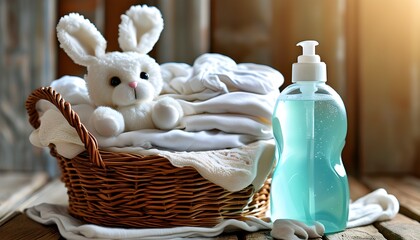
<point x="123" y="85"/>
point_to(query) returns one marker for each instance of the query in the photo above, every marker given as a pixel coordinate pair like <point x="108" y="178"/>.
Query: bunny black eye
<point x="144" y="75"/>
<point x="115" y="81"/>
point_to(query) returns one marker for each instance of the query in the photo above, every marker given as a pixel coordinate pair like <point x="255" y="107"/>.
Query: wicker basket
<point x="129" y="190"/>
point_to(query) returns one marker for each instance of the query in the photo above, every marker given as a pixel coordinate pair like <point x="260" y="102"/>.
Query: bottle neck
<point x="309" y="72"/>
<point x="308" y="88"/>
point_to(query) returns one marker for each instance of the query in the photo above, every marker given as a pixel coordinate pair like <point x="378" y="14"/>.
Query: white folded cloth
<point x="214" y="74"/>
<point x="376" y="206"/>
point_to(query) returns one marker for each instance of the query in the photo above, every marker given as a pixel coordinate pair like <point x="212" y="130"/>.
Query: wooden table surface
<point x="16" y="225"/>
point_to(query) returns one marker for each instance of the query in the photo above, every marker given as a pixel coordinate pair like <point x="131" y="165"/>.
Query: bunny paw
<point x="107" y="122"/>
<point x="166" y="114"/>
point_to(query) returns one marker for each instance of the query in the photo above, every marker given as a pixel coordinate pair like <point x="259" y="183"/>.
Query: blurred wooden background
<point x="371" y="48"/>
<point x="27" y="61"/>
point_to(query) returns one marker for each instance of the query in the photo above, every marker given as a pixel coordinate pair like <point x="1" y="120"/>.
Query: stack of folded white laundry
<point x="226" y="105"/>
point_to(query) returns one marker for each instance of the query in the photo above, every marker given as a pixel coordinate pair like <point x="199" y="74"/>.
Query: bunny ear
<point x="80" y="39"/>
<point x="140" y="29"/>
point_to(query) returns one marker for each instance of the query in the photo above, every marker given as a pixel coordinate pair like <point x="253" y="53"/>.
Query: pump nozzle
<point x="309" y="66"/>
<point x="308" y="49"/>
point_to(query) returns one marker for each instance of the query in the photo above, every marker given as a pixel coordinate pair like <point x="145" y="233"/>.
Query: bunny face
<point x="122" y="79"/>
<point x="116" y="79"/>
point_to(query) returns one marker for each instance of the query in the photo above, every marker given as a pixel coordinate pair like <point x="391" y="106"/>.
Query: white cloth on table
<point x="375" y="206"/>
<point x="74" y="229"/>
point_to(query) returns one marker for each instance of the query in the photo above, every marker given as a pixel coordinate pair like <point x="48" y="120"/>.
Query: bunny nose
<point x="132" y="84"/>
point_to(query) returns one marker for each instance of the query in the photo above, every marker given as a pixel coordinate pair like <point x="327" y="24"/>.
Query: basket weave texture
<point x="129" y="190"/>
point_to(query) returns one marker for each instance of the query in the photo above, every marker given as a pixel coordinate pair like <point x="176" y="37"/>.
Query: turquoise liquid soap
<point x="309" y="124"/>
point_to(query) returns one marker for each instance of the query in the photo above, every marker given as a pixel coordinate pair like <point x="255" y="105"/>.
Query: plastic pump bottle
<point x="309" y="124"/>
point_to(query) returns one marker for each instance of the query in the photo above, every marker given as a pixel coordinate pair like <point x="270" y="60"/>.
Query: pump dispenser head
<point x="309" y="66"/>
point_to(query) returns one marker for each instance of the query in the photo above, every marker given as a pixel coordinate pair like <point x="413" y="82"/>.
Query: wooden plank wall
<point x="27" y="61"/>
<point x="389" y="86"/>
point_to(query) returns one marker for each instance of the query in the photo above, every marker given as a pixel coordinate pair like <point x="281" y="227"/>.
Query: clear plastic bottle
<point x="310" y="125"/>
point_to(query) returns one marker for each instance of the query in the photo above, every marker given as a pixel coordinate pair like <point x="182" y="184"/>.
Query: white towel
<point x="214" y="74"/>
<point x="260" y="106"/>
<point x="232" y="123"/>
<point x="71" y="228"/>
<point x="376" y="206"/>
